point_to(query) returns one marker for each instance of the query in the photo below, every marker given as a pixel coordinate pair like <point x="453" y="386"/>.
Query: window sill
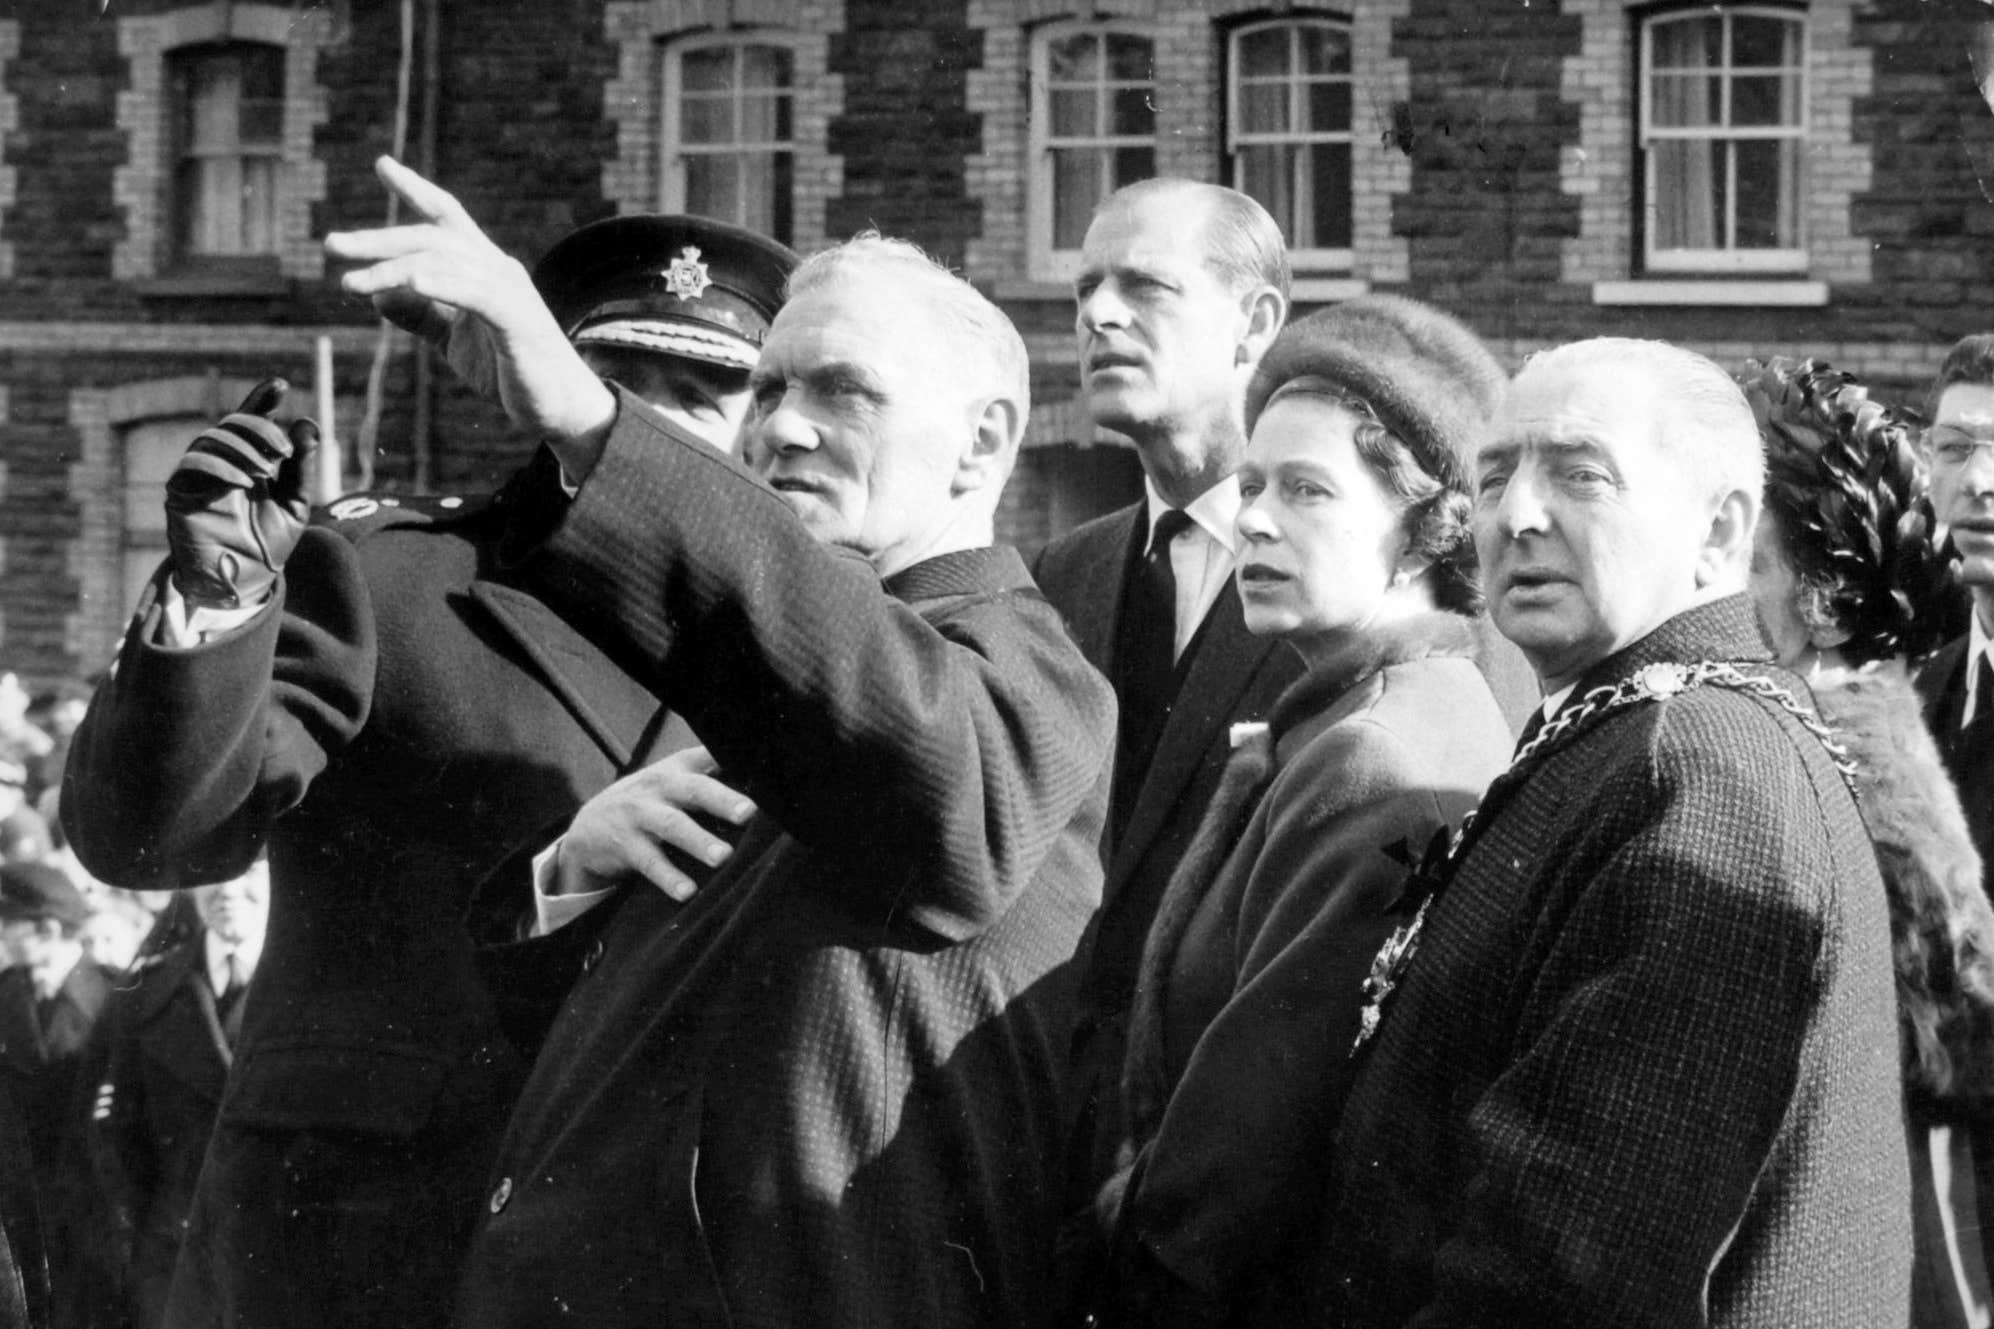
<point x="190" y="282"/>
<point x="1327" y="290"/>
<point x="1741" y="291"/>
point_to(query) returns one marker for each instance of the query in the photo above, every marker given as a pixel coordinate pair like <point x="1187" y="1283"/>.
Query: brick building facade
<point x="1743" y="178"/>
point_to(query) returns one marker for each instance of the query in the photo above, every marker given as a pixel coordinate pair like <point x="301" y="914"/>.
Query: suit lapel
<point x="1101" y="579"/>
<point x="614" y="708"/>
<point x="1223" y="666"/>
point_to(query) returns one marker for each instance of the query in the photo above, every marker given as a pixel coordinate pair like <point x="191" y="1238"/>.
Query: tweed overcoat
<point x="155" y="1107"/>
<point x="1642" y="1068"/>
<point x="824" y="1091"/>
<point x="1225" y="676"/>
<point x="405" y="719"/>
<point x="1253" y="976"/>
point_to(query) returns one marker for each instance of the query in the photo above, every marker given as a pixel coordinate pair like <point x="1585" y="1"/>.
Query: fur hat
<point x="1430" y="379"/>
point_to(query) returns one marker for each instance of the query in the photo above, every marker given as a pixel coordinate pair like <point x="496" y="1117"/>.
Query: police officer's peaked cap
<point x="35" y="891"/>
<point x="678" y="285"/>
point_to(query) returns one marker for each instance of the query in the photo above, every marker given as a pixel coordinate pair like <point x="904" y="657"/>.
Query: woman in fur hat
<point x="1844" y="577"/>
<point x="1355" y="548"/>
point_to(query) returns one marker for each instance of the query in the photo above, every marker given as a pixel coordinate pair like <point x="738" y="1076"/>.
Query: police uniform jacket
<point x="1642" y="1067"/>
<point x="393" y="729"/>
<point x="823" y="1091"/>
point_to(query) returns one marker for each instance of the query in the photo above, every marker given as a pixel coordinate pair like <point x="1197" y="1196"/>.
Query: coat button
<point x="593" y="958"/>
<point x="502" y="1194"/>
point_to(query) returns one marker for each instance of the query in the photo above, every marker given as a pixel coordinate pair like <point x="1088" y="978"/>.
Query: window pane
<point x="1133" y="164"/>
<point x="1073" y="59"/>
<point x="1130" y="57"/>
<point x="764" y="119"/>
<point x="263" y="122"/>
<point x="214" y="93"/>
<point x="1758" y="42"/>
<point x="1768" y="193"/>
<point x="259" y="206"/>
<point x="782" y="205"/>
<point x="1325" y="191"/>
<point x="1076" y="188"/>
<point x="765" y="184"/>
<point x="1765" y="99"/>
<point x="1264" y="52"/>
<point x="262" y="72"/>
<point x="1263" y="108"/>
<point x="1687" y="204"/>
<point x="1325" y="49"/>
<point x="1696" y="43"/>
<point x="712" y="184"/>
<point x="765" y="67"/>
<point x="1329" y="106"/>
<point x="1266" y="174"/>
<point x="1135" y="117"/>
<point x="1684" y="101"/>
<point x="707" y="70"/>
<point x="706" y="120"/>
<point x="1074" y="114"/>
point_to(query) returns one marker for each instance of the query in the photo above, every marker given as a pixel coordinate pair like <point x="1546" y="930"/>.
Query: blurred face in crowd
<point x="855" y="421"/>
<point x="1591" y="534"/>
<point x="1161" y="338"/>
<point x="1323" y="536"/>
<point x="1776" y="594"/>
<point x="237" y="911"/>
<point x="1960" y="447"/>
<point x="112" y="938"/>
<point x="41" y="947"/>
<point x="708" y="401"/>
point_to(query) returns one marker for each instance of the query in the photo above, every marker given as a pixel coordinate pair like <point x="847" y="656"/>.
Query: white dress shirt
<point x="1202" y="556"/>
<point x="218" y="951"/>
<point x="1976" y="651"/>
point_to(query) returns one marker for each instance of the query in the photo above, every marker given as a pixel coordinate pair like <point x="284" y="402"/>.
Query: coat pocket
<point x="389" y="1091"/>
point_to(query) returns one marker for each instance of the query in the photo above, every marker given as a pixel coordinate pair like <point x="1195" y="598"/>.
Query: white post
<point x="330" y="467"/>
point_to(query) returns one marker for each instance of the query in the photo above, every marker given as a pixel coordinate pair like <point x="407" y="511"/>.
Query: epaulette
<point x="356" y="514"/>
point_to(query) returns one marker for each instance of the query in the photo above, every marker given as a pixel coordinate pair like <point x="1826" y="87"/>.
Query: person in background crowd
<point x="1632" y="1060"/>
<point x="24" y="836"/>
<point x="383" y="700"/>
<point x="1955" y="683"/>
<point x="824" y="1089"/>
<point x="117" y="926"/>
<point x="51" y="998"/>
<point x="56" y="710"/>
<point x="1843" y="580"/>
<point x="171" y="1041"/>
<point x="1355" y="549"/>
<point x="22" y="742"/>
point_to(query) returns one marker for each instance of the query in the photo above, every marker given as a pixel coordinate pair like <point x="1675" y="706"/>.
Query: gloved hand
<point x="235" y="505"/>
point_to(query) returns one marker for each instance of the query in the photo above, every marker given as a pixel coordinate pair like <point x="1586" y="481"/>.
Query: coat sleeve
<point x="946" y="755"/>
<point x="120" y="1149"/>
<point x="1230" y="1188"/>
<point x="1664" y="1022"/>
<point x="189" y="754"/>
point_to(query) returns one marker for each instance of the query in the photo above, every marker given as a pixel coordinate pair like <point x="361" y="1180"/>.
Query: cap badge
<point x="687" y="277"/>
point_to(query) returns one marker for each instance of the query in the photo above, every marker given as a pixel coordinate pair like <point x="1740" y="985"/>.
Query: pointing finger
<point x="427" y="200"/>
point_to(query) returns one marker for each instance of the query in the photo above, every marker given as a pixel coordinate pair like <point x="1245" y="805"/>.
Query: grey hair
<point x="1704" y="417"/>
<point x="1244" y="248"/>
<point x="992" y="350"/>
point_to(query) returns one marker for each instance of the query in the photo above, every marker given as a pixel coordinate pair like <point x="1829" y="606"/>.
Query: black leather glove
<point x="235" y="505"/>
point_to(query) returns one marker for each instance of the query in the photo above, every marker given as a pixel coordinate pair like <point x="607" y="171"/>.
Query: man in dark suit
<point x="1959" y="696"/>
<point x="394" y="715"/>
<point x="171" y="1041"/>
<point x="823" y="1090"/>
<point x="1633" y="1058"/>
<point x="51" y="998"/>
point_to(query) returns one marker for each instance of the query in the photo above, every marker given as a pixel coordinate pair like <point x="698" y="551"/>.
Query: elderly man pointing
<point x="1632" y="1060"/>
<point x="822" y="1090"/>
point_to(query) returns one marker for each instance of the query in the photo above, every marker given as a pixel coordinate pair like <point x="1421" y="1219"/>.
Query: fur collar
<point x="1942" y="926"/>
<point x="1420" y="637"/>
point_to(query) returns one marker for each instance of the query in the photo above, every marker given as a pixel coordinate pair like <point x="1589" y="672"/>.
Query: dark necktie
<point x="1983" y="692"/>
<point x="1146" y="655"/>
<point x="228" y="1004"/>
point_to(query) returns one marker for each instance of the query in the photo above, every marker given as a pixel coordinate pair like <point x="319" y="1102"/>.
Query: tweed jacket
<point x="824" y="1091"/>
<point x="402" y="722"/>
<point x="1252" y="978"/>
<point x="1642" y="1067"/>
<point x="155" y="1107"/>
<point x="1225" y="676"/>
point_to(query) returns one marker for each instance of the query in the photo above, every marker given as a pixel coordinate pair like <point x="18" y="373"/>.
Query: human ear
<point x="995" y="434"/>
<point x="1264" y="312"/>
<point x="1726" y="556"/>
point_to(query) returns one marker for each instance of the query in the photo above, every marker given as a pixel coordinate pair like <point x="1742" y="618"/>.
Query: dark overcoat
<point x="160" y="1088"/>
<point x="1642" y="1068"/>
<point x="823" y="1092"/>
<point x="404" y="720"/>
<point x="1252" y="979"/>
<point x="1225" y="676"/>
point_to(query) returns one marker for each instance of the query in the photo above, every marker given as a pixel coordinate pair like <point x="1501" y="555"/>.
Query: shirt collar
<point x="217" y="952"/>
<point x="1976" y="641"/>
<point x="1215" y="512"/>
<point x="1557" y="699"/>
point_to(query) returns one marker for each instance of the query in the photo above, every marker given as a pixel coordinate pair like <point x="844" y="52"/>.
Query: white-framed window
<point x="1723" y="138"/>
<point x="1288" y="132"/>
<point x="227" y="103"/>
<point x="729" y="130"/>
<point x="1093" y="130"/>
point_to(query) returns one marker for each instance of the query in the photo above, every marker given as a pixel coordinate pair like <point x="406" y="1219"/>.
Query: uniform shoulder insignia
<point x="365" y="512"/>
